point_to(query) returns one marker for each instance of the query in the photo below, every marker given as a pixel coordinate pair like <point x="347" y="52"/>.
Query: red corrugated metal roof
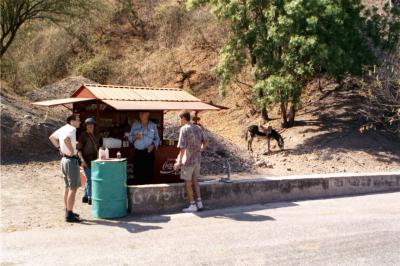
<point x="157" y="105"/>
<point x="128" y="93"/>
<point x="62" y="101"/>
<point x="136" y="98"/>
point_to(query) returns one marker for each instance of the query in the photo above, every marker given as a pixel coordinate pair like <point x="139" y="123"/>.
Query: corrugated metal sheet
<point x="126" y="93"/>
<point x="157" y="105"/>
<point x="62" y="101"/>
<point x="136" y="98"/>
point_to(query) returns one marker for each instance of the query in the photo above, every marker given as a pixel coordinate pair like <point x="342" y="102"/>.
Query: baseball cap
<point x="90" y="120"/>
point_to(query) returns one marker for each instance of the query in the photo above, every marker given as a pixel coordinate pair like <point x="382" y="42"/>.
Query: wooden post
<point x="97" y="116"/>
<point x="196" y="119"/>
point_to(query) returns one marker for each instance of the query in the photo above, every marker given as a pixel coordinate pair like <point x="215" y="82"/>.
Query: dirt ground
<point x="325" y="139"/>
<point x="31" y="193"/>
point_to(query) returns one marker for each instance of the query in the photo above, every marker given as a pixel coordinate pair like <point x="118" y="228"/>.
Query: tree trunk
<point x="264" y="114"/>
<point x="5" y="46"/>
<point x="284" y="115"/>
<point x="292" y="114"/>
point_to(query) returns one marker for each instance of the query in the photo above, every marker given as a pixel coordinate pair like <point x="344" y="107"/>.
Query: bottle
<point x="101" y="153"/>
<point x="118" y="155"/>
<point x="107" y="155"/>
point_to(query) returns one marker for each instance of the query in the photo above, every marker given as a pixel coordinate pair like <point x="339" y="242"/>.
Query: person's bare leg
<point x="189" y="191"/>
<point x="66" y="191"/>
<point x="71" y="199"/>
<point x="196" y="187"/>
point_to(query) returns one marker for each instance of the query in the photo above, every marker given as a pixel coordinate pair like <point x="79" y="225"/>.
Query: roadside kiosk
<point x="117" y="107"/>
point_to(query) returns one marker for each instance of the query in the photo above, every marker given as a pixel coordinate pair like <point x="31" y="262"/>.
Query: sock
<point x="70" y="213"/>
<point x="192" y="203"/>
<point x="198" y="199"/>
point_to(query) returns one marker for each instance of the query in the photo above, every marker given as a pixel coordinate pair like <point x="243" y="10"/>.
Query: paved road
<point x="362" y="230"/>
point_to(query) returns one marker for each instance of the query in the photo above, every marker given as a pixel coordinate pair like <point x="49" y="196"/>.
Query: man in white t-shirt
<point x="64" y="139"/>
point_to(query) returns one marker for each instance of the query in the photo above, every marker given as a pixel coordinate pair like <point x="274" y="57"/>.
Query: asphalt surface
<point x="363" y="230"/>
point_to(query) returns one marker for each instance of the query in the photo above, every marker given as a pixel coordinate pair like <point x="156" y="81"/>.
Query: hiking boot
<point x="72" y="219"/>
<point x="199" y="204"/>
<point x="85" y="200"/>
<point x="75" y="214"/>
<point x="192" y="208"/>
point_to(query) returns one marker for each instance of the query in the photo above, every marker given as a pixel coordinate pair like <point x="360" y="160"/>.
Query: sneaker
<point x="199" y="204"/>
<point x="72" y="219"/>
<point x="192" y="208"/>
<point x="85" y="200"/>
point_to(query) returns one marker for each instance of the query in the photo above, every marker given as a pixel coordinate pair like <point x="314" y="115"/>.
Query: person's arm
<point x="68" y="144"/>
<point x="182" y="144"/>
<point x="133" y="133"/>
<point x="80" y="146"/>
<point x="55" y="140"/>
<point x="178" y="163"/>
<point x="156" y="139"/>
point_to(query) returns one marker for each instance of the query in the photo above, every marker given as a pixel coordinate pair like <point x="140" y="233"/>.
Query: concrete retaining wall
<point x="167" y="198"/>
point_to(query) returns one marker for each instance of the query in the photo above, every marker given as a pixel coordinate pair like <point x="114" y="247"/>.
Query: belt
<point x="71" y="157"/>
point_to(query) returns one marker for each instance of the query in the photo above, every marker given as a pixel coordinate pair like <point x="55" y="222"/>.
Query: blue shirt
<point x="149" y="133"/>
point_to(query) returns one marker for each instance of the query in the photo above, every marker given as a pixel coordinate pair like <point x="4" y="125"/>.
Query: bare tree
<point x="382" y="87"/>
<point x="15" y="13"/>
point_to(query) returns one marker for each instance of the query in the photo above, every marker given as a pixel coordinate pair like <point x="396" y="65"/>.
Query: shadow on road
<point x="130" y="223"/>
<point x="244" y="213"/>
<point x="133" y="224"/>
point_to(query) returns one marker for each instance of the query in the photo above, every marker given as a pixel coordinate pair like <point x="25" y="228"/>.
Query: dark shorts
<point x="71" y="172"/>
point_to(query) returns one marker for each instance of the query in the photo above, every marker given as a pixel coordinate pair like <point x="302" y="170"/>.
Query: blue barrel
<point x="109" y="191"/>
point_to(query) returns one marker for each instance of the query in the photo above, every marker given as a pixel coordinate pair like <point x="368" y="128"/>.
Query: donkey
<point x="263" y="131"/>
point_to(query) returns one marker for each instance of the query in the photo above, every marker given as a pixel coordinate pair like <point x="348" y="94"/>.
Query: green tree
<point x="15" y="13"/>
<point x="288" y="42"/>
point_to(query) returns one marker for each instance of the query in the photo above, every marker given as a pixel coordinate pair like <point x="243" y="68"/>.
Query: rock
<point x="289" y="169"/>
<point x="27" y="116"/>
<point x="312" y="157"/>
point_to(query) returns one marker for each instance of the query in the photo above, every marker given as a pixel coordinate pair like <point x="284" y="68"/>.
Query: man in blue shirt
<point x="145" y="139"/>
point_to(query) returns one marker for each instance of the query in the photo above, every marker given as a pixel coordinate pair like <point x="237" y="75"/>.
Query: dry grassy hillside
<point x="163" y="44"/>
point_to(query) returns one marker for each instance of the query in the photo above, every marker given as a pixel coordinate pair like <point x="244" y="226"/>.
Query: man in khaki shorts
<point x="64" y="139"/>
<point x="191" y="142"/>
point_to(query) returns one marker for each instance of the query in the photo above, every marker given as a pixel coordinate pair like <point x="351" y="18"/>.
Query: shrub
<point x="98" y="68"/>
<point x="170" y="18"/>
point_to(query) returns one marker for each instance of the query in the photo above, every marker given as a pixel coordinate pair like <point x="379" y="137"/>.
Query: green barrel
<point x="109" y="191"/>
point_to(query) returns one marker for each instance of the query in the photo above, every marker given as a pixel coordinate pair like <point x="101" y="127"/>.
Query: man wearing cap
<point x="87" y="151"/>
<point x="64" y="139"/>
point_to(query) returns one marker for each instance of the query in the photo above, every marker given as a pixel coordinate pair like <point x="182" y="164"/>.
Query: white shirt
<point x="64" y="132"/>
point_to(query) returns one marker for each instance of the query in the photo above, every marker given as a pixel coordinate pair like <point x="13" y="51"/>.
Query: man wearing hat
<point x="87" y="151"/>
